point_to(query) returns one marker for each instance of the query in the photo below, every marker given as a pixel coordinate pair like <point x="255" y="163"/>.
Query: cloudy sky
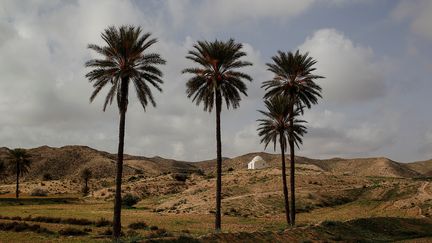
<point x="375" y="55"/>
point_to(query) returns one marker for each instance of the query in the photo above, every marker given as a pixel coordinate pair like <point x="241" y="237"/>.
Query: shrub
<point x="129" y="200"/>
<point x="230" y="169"/>
<point x="138" y="225"/>
<point x="200" y="172"/>
<point x="76" y="221"/>
<point x="154" y="227"/>
<point x="46" y="219"/>
<point x="181" y="177"/>
<point x="102" y="222"/>
<point x="19" y="227"/>
<point x="47" y="177"/>
<point x="159" y="233"/>
<point x="209" y="176"/>
<point x="186" y="239"/>
<point x="69" y="231"/>
<point x="39" y="192"/>
<point x="329" y="223"/>
<point x="132" y="178"/>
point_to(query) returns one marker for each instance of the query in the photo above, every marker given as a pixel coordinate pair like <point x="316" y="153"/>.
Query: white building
<point x="257" y="163"/>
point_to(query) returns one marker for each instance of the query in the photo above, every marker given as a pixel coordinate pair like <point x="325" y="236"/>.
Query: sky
<point x="376" y="57"/>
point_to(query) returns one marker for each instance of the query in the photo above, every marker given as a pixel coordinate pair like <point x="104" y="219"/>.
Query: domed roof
<point x="257" y="158"/>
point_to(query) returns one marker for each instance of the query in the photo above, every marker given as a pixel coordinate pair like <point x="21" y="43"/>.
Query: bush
<point x="230" y="169"/>
<point x="209" y="176"/>
<point x="76" y="221"/>
<point x="129" y="200"/>
<point x="159" y="233"/>
<point x="46" y="219"/>
<point x="329" y="223"/>
<point x="181" y="177"/>
<point x="102" y="222"/>
<point x="69" y="231"/>
<point x="138" y="225"/>
<point x="154" y="227"/>
<point x="20" y="227"/>
<point x="200" y="172"/>
<point x="47" y="177"/>
<point x="39" y="192"/>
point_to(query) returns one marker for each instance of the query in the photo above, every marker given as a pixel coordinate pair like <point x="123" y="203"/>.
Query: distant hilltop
<point x="68" y="161"/>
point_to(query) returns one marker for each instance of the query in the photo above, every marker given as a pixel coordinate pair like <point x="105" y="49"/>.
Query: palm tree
<point x="293" y="78"/>
<point x="3" y="170"/>
<point x="214" y="80"/>
<point x="86" y="174"/>
<point x="276" y="124"/>
<point x="20" y="164"/>
<point x="124" y="59"/>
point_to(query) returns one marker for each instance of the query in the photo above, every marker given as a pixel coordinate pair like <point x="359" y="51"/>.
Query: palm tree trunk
<point x="118" y="181"/>
<point x="219" y="162"/>
<point x="284" y="180"/>
<point x="292" y="166"/>
<point x="17" y="180"/>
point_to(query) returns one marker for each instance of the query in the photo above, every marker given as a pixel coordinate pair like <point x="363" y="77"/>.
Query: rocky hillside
<point x="422" y="167"/>
<point x="68" y="161"/>
<point x="356" y="167"/>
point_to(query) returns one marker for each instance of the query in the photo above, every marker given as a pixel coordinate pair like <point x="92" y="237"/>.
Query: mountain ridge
<point x="67" y="162"/>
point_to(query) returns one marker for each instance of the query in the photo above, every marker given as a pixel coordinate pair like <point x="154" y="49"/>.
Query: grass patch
<point x="21" y="226"/>
<point x="72" y="232"/>
<point x="35" y="201"/>
<point x="55" y="220"/>
<point x="138" y="225"/>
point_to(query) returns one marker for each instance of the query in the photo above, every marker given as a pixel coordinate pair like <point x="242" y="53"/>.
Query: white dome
<point x="257" y="163"/>
<point x="257" y="158"/>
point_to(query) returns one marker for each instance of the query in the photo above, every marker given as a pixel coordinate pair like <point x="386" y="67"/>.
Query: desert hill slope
<point x="422" y="167"/>
<point x="357" y="167"/>
<point x="68" y="161"/>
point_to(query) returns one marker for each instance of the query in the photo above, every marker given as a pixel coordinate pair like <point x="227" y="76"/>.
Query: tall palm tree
<point x="293" y="78"/>
<point x="276" y="124"/>
<point x="214" y="80"/>
<point x="125" y="59"/>
<point x="20" y="164"/>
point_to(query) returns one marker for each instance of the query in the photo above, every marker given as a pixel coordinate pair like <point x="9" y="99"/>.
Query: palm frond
<point x="275" y="126"/>
<point x="125" y="58"/>
<point x="218" y="62"/>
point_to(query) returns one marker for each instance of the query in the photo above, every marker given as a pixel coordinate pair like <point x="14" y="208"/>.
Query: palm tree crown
<point x="218" y="61"/>
<point x="276" y="123"/>
<point x="125" y="59"/>
<point x="20" y="161"/>
<point x="293" y="78"/>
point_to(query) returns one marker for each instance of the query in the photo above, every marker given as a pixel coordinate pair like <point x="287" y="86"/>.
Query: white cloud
<point x="333" y="133"/>
<point x="44" y="95"/>
<point x="351" y="71"/>
<point x="419" y="13"/>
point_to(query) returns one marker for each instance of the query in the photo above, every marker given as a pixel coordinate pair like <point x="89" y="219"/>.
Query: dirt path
<point x="423" y="193"/>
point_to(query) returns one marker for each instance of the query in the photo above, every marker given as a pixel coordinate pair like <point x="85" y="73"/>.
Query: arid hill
<point x="422" y="167"/>
<point x="68" y="161"/>
<point x="356" y="167"/>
